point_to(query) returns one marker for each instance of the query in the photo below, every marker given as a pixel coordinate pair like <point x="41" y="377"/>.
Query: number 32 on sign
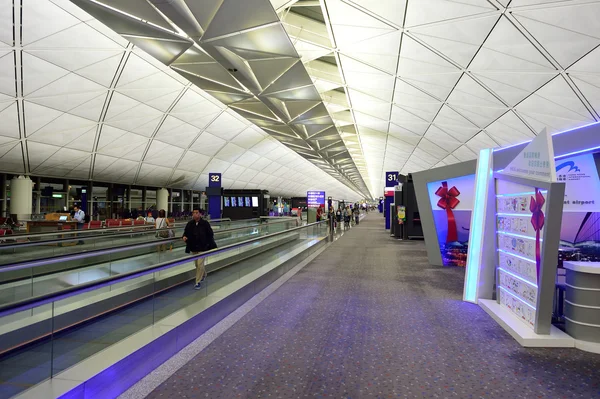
<point x="214" y="180"/>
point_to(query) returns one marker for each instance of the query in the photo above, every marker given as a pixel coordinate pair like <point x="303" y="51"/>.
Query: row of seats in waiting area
<point x="112" y="223"/>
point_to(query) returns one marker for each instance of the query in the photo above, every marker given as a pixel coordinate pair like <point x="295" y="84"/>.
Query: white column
<point x="4" y="195"/>
<point x="21" y="197"/>
<point x="162" y="199"/>
<point x="38" y="197"/>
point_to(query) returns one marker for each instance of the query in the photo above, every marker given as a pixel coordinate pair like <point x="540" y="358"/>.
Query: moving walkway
<point x="29" y="278"/>
<point x="72" y="332"/>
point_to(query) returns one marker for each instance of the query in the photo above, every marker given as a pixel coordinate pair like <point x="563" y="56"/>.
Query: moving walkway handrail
<point x="139" y="231"/>
<point x="107" y="251"/>
<point x="36" y="301"/>
<point x="139" y="227"/>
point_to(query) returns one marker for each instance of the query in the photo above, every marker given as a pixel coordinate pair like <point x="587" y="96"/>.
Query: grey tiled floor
<point x="369" y="318"/>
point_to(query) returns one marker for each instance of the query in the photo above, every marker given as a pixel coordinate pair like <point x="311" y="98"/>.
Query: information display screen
<point x="315" y="199"/>
<point x="247" y="201"/>
<point x="233" y="202"/>
<point x="240" y="201"/>
<point x="227" y="201"/>
<point x="255" y="202"/>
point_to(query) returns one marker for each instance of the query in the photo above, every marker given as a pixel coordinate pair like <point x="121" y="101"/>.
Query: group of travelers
<point x="347" y="215"/>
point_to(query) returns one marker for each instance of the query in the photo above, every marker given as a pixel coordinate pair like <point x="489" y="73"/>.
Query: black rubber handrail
<point x="43" y="299"/>
<point x="26" y="264"/>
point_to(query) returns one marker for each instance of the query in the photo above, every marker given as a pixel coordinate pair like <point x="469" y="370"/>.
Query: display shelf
<point x="517" y="228"/>
<point x="519" y="225"/>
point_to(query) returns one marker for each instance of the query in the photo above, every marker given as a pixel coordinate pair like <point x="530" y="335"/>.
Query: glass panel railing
<point x="29" y="279"/>
<point x="69" y="242"/>
<point x="50" y="334"/>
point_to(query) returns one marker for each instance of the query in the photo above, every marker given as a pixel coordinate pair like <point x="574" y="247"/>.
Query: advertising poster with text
<point x="580" y="229"/>
<point x="452" y="204"/>
<point x="315" y="199"/>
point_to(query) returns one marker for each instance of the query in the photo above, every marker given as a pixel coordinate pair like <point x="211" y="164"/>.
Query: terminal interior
<point x="404" y="198"/>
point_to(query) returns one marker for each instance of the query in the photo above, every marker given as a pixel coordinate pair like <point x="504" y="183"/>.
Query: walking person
<point x="347" y="217"/>
<point x="162" y="226"/>
<point x="198" y="237"/>
<point x="79" y="217"/>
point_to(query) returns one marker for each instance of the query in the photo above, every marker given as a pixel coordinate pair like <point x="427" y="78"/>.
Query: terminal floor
<point x="369" y="317"/>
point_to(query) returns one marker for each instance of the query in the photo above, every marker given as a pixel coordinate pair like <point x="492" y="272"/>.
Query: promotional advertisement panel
<point x="452" y="204"/>
<point x="315" y="199"/>
<point x="580" y="230"/>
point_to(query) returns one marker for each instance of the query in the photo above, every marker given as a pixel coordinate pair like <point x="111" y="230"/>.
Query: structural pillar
<point x="4" y="195"/>
<point x="162" y="199"/>
<point x="129" y="199"/>
<point x="38" y="195"/>
<point x="67" y="190"/>
<point x="182" y="201"/>
<point x="144" y="200"/>
<point x="21" y="197"/>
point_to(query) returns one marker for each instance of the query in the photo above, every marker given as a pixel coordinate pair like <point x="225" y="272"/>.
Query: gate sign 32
<point x="214" y="180"/>
<point x="391" y="179"/>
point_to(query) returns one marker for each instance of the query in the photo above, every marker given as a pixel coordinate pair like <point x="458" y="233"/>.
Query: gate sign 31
<point x="391" y="179"/>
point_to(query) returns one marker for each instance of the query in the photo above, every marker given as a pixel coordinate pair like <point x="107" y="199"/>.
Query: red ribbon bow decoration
<point x="448" y="201"/>
<point x="537" y="221"/>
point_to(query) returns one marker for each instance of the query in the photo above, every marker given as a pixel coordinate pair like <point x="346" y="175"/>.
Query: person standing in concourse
<point x="79" y="217"/>
<point x="198" y="237"/>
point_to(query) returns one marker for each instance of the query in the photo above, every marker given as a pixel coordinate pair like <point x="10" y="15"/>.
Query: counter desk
<point x="582" y="302"/>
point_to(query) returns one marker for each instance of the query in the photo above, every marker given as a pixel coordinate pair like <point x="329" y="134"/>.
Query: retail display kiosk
<point x="514" y="240"/>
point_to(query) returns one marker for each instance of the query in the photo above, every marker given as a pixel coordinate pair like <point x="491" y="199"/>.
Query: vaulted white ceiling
<point x="80" y="101"/>
<point x="408" y="84"/>
<point x="428" y="83"/>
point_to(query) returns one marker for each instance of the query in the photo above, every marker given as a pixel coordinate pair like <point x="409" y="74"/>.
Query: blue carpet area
<point x="370" y="318"/>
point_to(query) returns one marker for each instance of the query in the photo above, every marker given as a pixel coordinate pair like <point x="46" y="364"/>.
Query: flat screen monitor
<point x="233" y="201"/>
<point x="247" y="201"/>
<point x="226" y="201"/>
<point x="62" y="218"/>
<point x="240" y="201"/>
<point x="255" y="202"/>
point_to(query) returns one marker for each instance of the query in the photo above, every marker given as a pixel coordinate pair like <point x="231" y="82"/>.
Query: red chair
<point x="113" y="223"/>
<point x="93" y="224"/>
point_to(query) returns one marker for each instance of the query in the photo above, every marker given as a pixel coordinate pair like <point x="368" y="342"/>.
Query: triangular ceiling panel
<point x="7" y="75"/>
<point x="458" y="40"/>
<point x="389" y="10"/>
<point x="507" y="49"/>
<point x="428" y="11"/>
<point x="232" y="16"/>
<point x="295" y="77"/>
<point x="566" y="46"/>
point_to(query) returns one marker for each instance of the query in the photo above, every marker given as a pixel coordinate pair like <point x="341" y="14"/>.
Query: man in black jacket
<point x="199" y="237"/>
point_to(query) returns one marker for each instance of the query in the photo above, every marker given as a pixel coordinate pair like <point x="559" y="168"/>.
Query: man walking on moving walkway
<point x="198" y="237"/>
